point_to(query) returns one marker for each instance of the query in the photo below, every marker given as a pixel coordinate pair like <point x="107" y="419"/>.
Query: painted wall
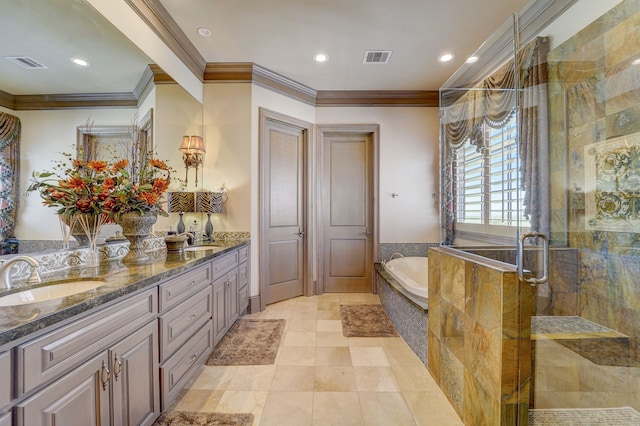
<point x="408" y="167"/>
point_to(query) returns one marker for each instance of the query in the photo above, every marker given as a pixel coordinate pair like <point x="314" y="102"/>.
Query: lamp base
<point x="208" y="228"/>
<point x="180" y="227"/>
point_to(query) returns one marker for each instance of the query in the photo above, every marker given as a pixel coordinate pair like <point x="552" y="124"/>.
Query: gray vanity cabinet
<point x="118" y="387"/>
<point x="7" y="378"/>
<point x="225" y="304"/>
<point x="79" y="398"/>
<point x="6" y="420"/>
<point x="134" y="378"/>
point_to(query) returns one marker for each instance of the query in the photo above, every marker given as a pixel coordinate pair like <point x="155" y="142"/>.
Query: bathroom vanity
<point x="121" y="353"/>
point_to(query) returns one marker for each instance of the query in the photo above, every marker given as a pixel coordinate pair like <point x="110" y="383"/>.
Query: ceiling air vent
<point x="377" y="56"/>
<point x="26" y="62"/>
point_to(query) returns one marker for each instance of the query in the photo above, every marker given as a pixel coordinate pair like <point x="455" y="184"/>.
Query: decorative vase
<point x="136" y="227"/>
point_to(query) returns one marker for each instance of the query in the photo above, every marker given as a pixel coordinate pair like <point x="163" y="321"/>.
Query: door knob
<point x="300" y="232"/>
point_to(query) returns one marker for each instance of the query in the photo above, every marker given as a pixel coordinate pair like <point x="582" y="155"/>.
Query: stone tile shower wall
<point x="594" y="96"/>
<point x="476" y="342"/>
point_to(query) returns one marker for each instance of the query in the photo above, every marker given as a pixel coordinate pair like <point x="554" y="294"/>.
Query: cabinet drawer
<point x="224" y="264"/>
<point x="7" y="379"/>
<point x="179" y="368"/>
<point x="179" y="288"/>
<point x="243" y="275"/>
<point x="243" y="254"/>
<point x="43" y="359"/>
<point x="179" y="324"/>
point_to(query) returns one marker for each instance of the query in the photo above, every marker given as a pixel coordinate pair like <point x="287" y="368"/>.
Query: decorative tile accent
<point x="231" y="235"/>
<point x="612" y="184"/>
<point x="406" y="249"/>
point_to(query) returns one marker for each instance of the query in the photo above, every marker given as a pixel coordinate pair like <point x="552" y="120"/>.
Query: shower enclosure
<point x="540" y="162"/>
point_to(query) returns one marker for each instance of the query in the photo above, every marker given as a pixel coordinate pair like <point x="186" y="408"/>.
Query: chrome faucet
<point x="5" y="271"/>
<point x="395" y="255"/>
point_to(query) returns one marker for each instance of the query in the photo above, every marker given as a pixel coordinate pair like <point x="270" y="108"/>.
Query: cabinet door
<point x="134" y="378"/>
<point x="219" y="309"/>
<point x="80" y="398"/>
<point x="6" y="420"/>
<point x="232" y="297"/>
<point x="7" y="379"/>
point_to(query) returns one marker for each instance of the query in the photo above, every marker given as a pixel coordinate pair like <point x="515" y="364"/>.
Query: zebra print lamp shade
<point x="209" y="202"/>
<point x="180" y="202"/>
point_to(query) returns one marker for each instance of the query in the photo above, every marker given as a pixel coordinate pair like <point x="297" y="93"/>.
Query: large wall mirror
<point x="44" y="38"/>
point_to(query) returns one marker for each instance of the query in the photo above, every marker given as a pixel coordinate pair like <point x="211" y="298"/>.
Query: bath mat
<point x="249" y="342"/>
<point x="185" y="418"/>
<point x="366" y="321"/>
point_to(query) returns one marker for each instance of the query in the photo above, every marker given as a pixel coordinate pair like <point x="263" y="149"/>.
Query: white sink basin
<point x="50" y="292"/>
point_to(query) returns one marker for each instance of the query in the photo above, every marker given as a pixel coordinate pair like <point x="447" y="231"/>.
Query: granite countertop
<point x="17" y="322"/>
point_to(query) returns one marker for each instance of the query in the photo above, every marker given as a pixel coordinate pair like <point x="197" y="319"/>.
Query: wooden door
<point x="283" y="219"/>
<point x="80" y="398"/>
<point x="134" y="378"/>
<point x="347" y="208"/>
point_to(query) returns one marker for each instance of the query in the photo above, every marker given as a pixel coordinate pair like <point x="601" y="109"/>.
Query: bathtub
<point x="412" y="273"/>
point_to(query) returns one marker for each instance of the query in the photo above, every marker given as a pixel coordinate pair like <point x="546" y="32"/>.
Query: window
<point x="487" y="197"/>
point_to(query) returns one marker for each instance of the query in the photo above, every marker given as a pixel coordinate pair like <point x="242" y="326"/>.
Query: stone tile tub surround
<point x="407" y="311"/>
<point x="18" y="322"/>
<point x="405" y="249"/>
<point x="476" y="343"/>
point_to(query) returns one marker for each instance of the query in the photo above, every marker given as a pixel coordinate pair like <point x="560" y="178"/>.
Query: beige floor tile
<point x="384" y="409"/>
<point x="243" y="402"/>
<point x="332" y="355"/>
<point x="332" y="338"/>
<point x="402" y="355"/>
<point x="285" y="315"/>
<point x="325" y="305"/>
<point x="329" y="297"/>
<point x="215" y="377"/>
<point x="368" y="356"/>
<point x="302" y="325"/>
<point x="252" y="377"/>
<point x="335" y="379"/>
<point x="329" y="326"/>
<point x="296" y="355"/>
<point x="288" y="409"/>
<point x="329" y="314"/>
<point x="431" y="408"/>
<point x="372" y="299"/>
<point x="352" y="299"/>
<point x="293" y="378"/>
<point x="337" y="408"/>
<point x="304" y="315"/>
<point x="414" y="379"/>
<point x="392" y="341"/>
<point x="364" y="341"/>
<point x="299" y="338"/>
<point x="198" y="400"/>
<point x="375" y="379"/>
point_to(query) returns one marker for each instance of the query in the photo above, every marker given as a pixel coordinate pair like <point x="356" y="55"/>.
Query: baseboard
<point x="254" y="304"/>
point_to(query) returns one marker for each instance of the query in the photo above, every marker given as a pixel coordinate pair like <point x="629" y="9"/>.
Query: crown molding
<point x="153" y="13"/>
<point x="7" y="100"/>
<point x="377" y="98"/>
<point x="74" y="101"/>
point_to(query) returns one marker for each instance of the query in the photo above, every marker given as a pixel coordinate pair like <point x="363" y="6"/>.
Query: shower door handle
<point x="545" y="258"/>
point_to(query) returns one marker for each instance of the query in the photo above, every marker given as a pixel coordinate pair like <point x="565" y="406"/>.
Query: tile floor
<point x="323" y="378"/>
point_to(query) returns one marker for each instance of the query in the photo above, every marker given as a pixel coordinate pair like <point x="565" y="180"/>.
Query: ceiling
<point x="280" y="35"/>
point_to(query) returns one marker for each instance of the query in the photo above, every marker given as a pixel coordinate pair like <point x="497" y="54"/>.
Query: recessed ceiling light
<point x="204" y="32"/>
<point x="80" y="62"/>
<point x="446" y="57"/>
<point x="321" y="57"/>
<point x="471" y="59"/>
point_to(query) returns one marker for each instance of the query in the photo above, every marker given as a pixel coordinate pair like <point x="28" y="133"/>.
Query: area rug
<point x="249" y="342"/>
<point x="185" y="418"/>
<point x="366" y="321"/>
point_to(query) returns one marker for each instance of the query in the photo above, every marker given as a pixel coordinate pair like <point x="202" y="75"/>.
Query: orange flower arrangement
<point x="97" y="187"/>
